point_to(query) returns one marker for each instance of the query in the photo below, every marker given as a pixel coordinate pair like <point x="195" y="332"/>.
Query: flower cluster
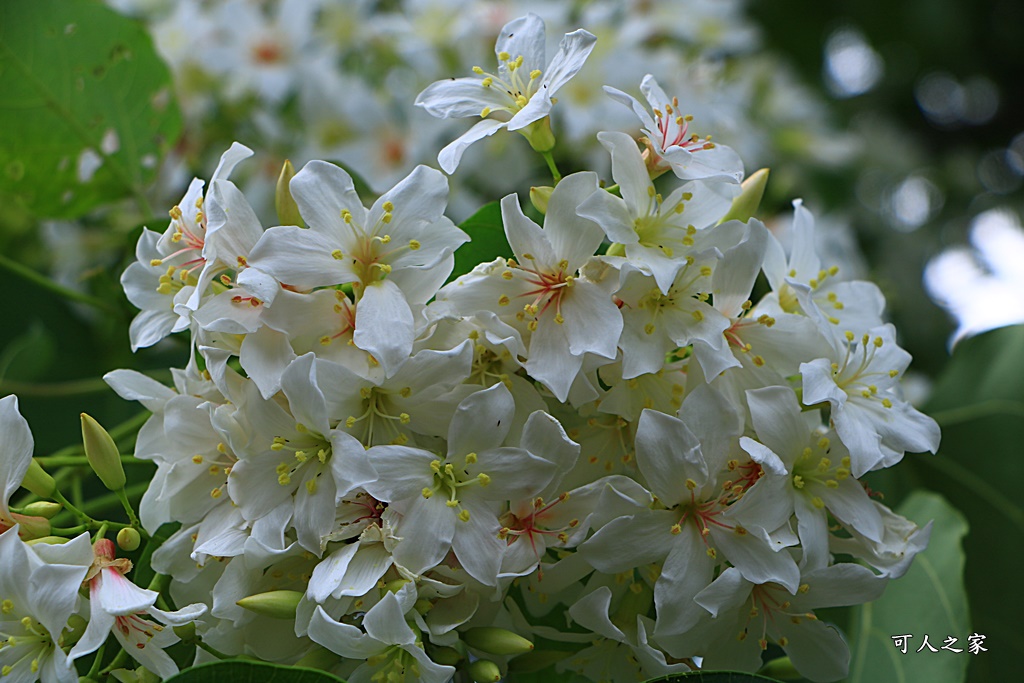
<point x="615" y="448"/>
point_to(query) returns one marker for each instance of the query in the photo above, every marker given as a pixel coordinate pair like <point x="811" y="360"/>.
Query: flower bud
<point x="536" y="660"/>
<point x="446" y="656"/>
<point x="275" y="604"/>
<point x="287" y="209"/>
<point x="38" y="481"/>
<point x="186" y="631"/>
<point x="43" y="508"/>
<point x="540" y="196"/>
<point x="319" y="658"/>
<point x="484" y="671"/>
<point x="128" y="539"/>
<point x="746" y="202"/>
<point x="497" y="641"/>
<point x="781" y="669"/>
<point x="30" y="528"/>
<point x="47" y="540"/>
<point x="102" y="453"/>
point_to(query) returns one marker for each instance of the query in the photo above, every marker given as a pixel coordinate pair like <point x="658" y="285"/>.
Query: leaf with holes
<point x="86" y="107"/>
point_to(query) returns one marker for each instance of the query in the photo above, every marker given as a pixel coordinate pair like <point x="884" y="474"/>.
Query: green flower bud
<point x="287" y="209"/>
<point x="749" y="198"/>
<point x="781" y="669"/>
<point x="497" y="641"/>
<point x="540" y="196"/>
<point x="47" y="540"/>
<point x="396" y="585"/>
<point x="275" y="604"/>
<point x="484" y="671"/>
<point x="128" y="539"/>
<point x="537" y="660"/>
<point x="31" y="528"/>
<point x="186" y="631"/>
<point x="446" y="656"/>
<point x="43" y="508"/>
<point x="319" y="658"/>
<point x="102" y="453"/>
<point x="38" y="481"/>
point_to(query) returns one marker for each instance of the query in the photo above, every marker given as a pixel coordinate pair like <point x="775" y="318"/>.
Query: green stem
<point x="128" y="509"/>
<point x="216" y="653"/>
<point x="58" y="289"/>
<point x="59" y="497"/>
<point x="119" y="661"/>
<point x="552" y="167"/>
<point x="96" y="663"/>
<point x="994" y="406"/>
<point x="110" y="499"/>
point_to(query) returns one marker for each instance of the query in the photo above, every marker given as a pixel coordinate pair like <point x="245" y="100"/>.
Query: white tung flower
<point x="519" y="94"/>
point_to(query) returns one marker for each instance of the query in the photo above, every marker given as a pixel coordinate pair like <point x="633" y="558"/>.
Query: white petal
<point x="384" y="325"/>
<point x="448" y="158"/>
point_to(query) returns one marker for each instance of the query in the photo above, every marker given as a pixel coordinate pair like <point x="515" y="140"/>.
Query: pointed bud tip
<point x="102" y="453"/>
<point x="746" y="203"/>
<point x="275" y="604"/>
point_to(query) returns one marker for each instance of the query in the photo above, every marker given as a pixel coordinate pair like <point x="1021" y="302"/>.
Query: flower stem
<point x="551" y="166"/>
<point x="128" y="509"/>
<point x="58" y="289"/>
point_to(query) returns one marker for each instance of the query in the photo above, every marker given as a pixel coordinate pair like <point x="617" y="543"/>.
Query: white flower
<point x="564" y="304"/>
<point x="805" y="473"/>
<point x="860" y="380"/>
<point x="16" y="446"/>
<point x="521" y="92"/>
<point x="399" y="249"/>
<point x="38" y="593"/>
<point x="117" y="605"/>
<point x="389" y="648"/>
<point x="671" y="145"/>
<point x="448" y="503"/>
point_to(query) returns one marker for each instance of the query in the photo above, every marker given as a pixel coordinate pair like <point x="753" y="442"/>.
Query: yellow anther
<point x="414" y="244"/>
<point x="284" y="479"/>
<point x="691" y="484"/>
<point x="176" y="237"/>
<point x="503" y="56"/>
<point x="893" y="373"/>
<point x="887" y="403"/>
<point x="824" y="464"/>
<point x="651" y="191"/>
<point x="532" y="326"/>
<point x="487" y="82"/>
<point x="705" y="271"/>
<point x="478" y="70"/>
<point x="804" y="588"/>
<point x="6" y="607"/>
<point x="746" y="305"/>
<point x="311" y="486"/>
<point x="535" y="74"/>
<point x="817" y="502"/>
<point x="503" y="300"/>
<point x="427" y="493"/>
<point x="842" y="473"/>
<point x="464" y="515"/>
<point x="798" y="481"/>
<point x="403" y="418"/>
<point x="832" y="483"/>
<point x="849" y="335"/>
<point x="528" y="256"/>
<point x="435" y="465"/>
<point x="483" y="479"/>
<point x="813" y="283"/>
<point x="559" y="319"/>
<point x="337" y="255"/>
<point x="698" y="316"/>
<point x="823" y="443"/>
<point x="325" y="340"/>
<point x="471" y="458"/>
<point x="649" y="328"/>
<point x="175" y="212"/>
<point x="449" y="469"/>
<point x="758" y="361"/>
<point x="878" y="342"/>
<point x="156" y="262"/>
<point x="711" y="553"/>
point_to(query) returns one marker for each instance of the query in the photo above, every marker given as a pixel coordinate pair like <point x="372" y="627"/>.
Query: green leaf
<point x="714" y="677"/>
<point x="929" y="599"/>
<point x="487" y="233"/>
<point x="86" y="107"/>
<point x="241" y="671"/>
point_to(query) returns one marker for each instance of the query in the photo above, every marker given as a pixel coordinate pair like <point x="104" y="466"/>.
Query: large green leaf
<point x="979" y="403"/>
<point x="488" y="240"/>
<point x="86" y="106"/>
<point x="241" y="671"/>
<point x="930" y="599"/>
